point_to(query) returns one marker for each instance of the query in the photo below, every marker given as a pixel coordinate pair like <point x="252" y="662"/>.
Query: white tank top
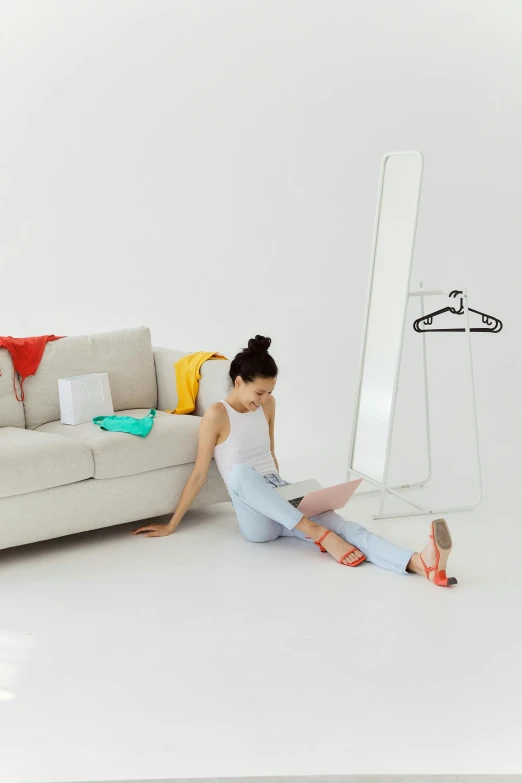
<point x="249" y="441"/>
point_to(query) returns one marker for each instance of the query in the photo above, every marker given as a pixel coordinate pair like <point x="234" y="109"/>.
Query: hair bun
<point x="259" y="345"/>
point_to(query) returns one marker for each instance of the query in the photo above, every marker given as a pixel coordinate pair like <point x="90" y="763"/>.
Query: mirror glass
<point x="392" y="254"/>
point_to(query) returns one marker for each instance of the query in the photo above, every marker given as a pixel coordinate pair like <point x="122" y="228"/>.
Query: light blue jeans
<point x="264" y="515"/>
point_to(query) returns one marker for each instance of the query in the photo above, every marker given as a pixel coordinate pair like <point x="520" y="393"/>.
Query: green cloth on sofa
<point x="127" y="423"/>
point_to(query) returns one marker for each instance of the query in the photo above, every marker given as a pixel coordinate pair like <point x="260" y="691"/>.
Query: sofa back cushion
<point x="11" y="411"/>
<point x="125" y="355"/>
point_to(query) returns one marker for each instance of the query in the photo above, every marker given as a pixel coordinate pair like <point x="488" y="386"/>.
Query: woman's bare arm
<point x="207" y="439"/>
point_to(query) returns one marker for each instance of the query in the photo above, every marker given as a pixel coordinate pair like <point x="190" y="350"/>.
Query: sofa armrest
<point x="214" y="383"/>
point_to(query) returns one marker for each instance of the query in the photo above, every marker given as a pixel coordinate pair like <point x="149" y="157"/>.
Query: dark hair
<point x="253" y="362"/>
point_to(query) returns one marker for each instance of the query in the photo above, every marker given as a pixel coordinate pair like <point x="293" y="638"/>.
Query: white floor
<point x="201" y="655"/>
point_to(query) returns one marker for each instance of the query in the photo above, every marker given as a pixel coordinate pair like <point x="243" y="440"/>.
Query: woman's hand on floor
<point x="155" y="530"/>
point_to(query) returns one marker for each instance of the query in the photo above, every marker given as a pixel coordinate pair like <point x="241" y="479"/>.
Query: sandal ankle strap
<point x="322" y="537"/>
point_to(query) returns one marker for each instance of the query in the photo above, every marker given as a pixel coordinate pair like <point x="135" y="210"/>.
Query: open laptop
<point x="312" y="499"/>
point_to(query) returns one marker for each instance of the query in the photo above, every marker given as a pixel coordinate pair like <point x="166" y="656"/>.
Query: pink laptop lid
<point x="328" y="499"/>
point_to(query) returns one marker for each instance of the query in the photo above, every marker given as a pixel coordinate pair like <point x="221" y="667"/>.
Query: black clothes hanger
<point x="493" y="324"/>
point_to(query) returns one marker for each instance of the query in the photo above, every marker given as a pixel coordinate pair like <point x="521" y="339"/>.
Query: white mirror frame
<point x="385" y="312"/>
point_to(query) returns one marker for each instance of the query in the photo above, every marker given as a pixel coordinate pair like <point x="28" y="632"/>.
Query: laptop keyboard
<point x="295" y="502"/>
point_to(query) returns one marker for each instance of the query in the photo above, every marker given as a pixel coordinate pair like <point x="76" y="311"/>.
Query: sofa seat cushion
<point x="173" y="440"/>
<point x="31" y="461"/>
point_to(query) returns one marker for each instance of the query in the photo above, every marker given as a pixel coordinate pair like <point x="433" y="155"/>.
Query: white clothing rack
<point x="382" y="488"/>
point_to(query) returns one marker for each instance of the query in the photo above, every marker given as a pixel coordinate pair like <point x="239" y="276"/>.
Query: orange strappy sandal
<point x="443" y="544"/>
<point x="355" y="562"/>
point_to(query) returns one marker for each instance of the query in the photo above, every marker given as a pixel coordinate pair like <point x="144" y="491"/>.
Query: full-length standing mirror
<point x="386" y="306"/>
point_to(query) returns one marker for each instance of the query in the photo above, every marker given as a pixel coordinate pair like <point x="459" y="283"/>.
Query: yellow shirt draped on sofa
<point x="187" y="379"/>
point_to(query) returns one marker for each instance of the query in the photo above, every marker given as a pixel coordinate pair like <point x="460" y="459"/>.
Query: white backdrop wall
<point x="210" y="170"/>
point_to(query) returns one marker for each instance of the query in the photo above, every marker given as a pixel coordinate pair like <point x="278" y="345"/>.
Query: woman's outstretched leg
<point x="263" y="508"/>
<point x="379" y="550"/>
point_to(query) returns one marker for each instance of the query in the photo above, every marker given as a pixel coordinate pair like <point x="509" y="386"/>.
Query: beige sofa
<point x="57" y="479"/>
